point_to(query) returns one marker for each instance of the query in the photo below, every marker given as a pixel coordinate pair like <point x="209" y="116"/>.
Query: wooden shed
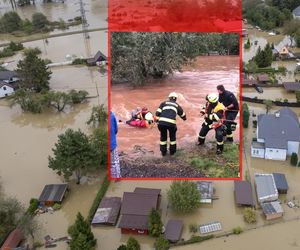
<point x="281" y="183"/>
<point x="243" y="194"/>
<point x="53" y="193"/>
<point x="272" y="210"/>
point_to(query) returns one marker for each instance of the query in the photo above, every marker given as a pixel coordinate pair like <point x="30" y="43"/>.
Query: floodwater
<point x="192" y="85"/>
<point x="270" y="93"/>
<point x="96" y="13"/>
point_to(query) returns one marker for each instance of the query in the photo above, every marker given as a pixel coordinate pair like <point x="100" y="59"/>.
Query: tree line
<point x="138" y="57"/>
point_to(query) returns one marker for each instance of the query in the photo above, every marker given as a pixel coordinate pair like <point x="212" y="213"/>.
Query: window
<point x="4" y="88"/>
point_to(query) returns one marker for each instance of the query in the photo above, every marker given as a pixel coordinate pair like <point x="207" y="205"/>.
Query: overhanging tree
<point x="184" y="196"/>
<point x="72" y="154"/>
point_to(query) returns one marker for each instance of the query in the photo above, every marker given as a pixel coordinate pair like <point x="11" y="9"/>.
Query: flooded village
<point x="219" y="222"/>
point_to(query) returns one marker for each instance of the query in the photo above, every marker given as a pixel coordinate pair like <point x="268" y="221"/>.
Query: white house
<point x="6" y="89"/>
<point x="296" y="13"/>
<point x="278" y="135"/>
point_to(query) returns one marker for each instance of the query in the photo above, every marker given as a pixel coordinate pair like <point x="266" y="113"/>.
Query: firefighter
<point x="213" y="113"/>
<point x="166" y="116"/>
<point x="232" y="108"/>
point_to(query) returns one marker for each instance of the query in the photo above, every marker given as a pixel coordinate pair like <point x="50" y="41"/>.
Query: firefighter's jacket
<point x="167" y="112"/>
<point x="214" y="114"/>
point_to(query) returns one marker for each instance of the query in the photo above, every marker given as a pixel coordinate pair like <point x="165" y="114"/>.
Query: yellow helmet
<point x="173" y="95"/>
<point x="212" y="98"/>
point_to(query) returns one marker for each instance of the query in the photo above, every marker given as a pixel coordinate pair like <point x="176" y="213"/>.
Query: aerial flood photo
<point x="150" y="137"/>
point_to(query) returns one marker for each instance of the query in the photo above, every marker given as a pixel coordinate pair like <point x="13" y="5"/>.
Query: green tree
<point x="72" y="154"/>
<point x="133" y="244"/>
<point x="155" y="224"/>
<point x="297" y="93"/>
<point x="184" y="196"/>
<point x="122" y="247"/>
<point x="58" y="100"/>
<point x="78" y="96"/>
<point x="247" y="45"/>
<point x="263" y="58"/>
<point x="33" y="73"/>
<point x="99" y="144"/>
<point x="294" y="159"/>
<point x="98" y="116"/>
<point x="28" y="101"/>
<point x="291" y="29"/>
<point x="251" y="67"/>
<point x="10" y="22"/>
<point x="269" y="104"/>
<point x="246" y="115"/>
<point x="161" y="243"/>
<point x="81" y="234"/>
<point x="39" y="21"/>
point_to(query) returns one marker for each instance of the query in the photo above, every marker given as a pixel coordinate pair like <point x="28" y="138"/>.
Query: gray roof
<point x="5" y="75"/>
<point x="296" y="11"/>
<point x="108" y="211"/>
<point x="243" y="193"/>
<point x="279" y="128"/>
<point x="272" y="208"/>
<point x="134" y="222"/>
<point x="53" y="192"/>
<point x="265" y="187"/>
<point x="173" y="230"/>
<point x="291" y="86"/>
<point x="280" y="182"/>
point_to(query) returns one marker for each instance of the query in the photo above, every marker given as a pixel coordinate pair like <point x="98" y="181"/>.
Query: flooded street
<point x="96" y="13"/>
<point x="270" y="93"/>
<point x="192" y="86"/>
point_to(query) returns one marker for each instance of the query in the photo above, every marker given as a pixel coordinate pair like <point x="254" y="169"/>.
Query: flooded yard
<point x="192" y="86"/>
<point x="270" y="94"/>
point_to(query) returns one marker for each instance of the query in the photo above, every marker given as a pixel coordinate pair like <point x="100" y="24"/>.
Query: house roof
<point x="262" y="77"/>
<point x="280" y="181"/>
<point x="265" y="187"/>
<point x="291" y="86"/>
<point x="13" y="240"/>
<point x="257" y="145"/>
<point x="173" y="230"/>
<point x="134" y="222"/>
<point x="279" y="128"/>
<point x="152" y="191"/>
<point x="5" y="84"/>
<point x="108" y="211"/>
<point x="138" y="203"/>
<point x="243" y="193"/>
<point x="296" y="11"/>
<point x="53" y="192"/>
<point x="272" y="208"/>
<point x="7" y="74"/>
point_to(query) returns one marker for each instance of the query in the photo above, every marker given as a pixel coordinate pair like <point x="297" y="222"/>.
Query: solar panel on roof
<point x="210" y="227"/>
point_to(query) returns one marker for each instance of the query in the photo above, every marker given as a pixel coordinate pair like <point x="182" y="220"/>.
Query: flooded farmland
<point x="192" y="85"/>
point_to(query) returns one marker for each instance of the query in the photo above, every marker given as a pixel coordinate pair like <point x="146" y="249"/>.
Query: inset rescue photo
<point x="174" y="105"/>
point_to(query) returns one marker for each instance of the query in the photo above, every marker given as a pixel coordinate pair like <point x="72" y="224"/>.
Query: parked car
<point x="258" y="89"/>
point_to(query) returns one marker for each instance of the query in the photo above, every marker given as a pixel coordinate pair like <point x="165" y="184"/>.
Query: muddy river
<point x="96" y="13"/>
<point x="192" y="85"/>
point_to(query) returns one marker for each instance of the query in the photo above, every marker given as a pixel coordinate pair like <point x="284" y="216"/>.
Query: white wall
<point x="275" y="154"/>
<point x="5" y="91"/>
<point x="293" y="147"/>
<point x="257" y="152"/>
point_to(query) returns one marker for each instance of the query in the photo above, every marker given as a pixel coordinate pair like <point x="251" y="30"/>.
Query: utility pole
<point x="83" y="19"/>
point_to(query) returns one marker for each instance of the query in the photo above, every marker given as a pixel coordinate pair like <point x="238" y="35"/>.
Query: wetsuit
<point x="213" y="120"/>
<point x="166" y="115"/>
<point x="227" y="98"/>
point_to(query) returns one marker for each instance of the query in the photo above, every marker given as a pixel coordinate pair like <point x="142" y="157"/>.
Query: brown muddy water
<point x="96" y="13"/>
<point x="192" y="85"/>
<point x="270" y="93"/>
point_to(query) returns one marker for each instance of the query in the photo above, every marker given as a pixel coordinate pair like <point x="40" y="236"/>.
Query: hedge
<point x="98" y="198"/>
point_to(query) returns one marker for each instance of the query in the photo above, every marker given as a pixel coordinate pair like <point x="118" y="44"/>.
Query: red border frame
<point x="240" y="99"/>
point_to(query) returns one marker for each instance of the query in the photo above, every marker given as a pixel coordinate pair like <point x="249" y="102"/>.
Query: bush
<point x="133" y="244"/>
<point x="184" y="196"/>
<point x="294" y="159"/>
<point x="6" y="52"/>
<point x="79" y="61"/>
<point x="246" y="115"/>
<point x="39" y="21"/>
<point x="237" y="230"/>
<point x="33" y="205"/>
<point x="37" y="244"/>
<point x="15" y="46"/>
<point x="161" y="243"/>
<point x="56" y="206"/>
<point x="155" y="224"/>
<point x="34" y="51"/>
<point x="122" y="247"/>
<point x="193" y="228"/>
<point x="78" y="96"/>
<point x="10" y="22"/>
<point x="98" y="198"/>
<point x="98" y="116"/>
<point x="249" y="215"/>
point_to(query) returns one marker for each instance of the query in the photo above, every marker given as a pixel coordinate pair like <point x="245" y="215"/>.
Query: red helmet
<point x="144" y="111"/>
